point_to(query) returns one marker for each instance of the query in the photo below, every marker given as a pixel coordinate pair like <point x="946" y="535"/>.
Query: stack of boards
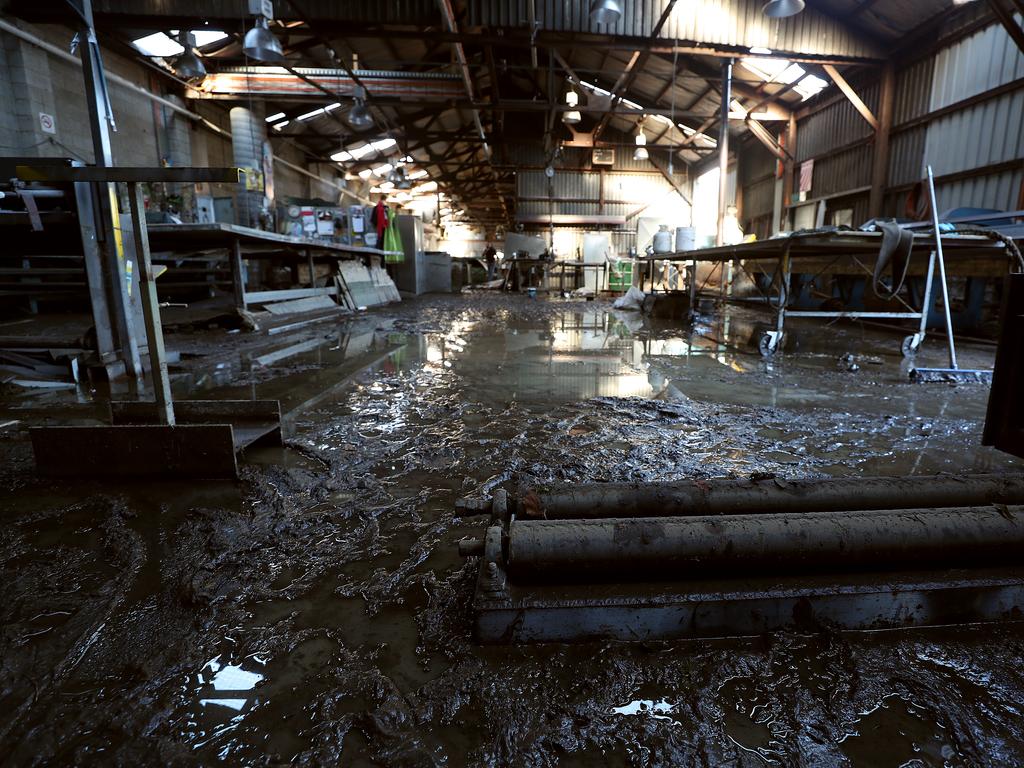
<point x="360" y="286"/>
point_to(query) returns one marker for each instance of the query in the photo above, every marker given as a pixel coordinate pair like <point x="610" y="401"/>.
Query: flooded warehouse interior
<point x="512" y="383"/>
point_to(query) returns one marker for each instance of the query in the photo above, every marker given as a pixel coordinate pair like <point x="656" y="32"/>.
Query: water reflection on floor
<point x="853" y="373"/>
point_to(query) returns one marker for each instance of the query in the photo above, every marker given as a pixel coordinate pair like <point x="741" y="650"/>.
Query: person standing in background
<point x="490" y="256"/>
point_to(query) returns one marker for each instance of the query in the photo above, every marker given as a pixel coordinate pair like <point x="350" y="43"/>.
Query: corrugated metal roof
<point x="889" y="20"/>
<point x="736" y="23"/>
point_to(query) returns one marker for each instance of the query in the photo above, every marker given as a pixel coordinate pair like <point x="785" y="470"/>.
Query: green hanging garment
<point x="393" y="241"/>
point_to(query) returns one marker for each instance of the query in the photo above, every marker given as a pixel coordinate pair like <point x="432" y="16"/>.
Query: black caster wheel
<point x="768" y="345"/>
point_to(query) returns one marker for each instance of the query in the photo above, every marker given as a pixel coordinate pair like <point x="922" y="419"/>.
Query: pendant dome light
<point x="359" y="116"/>
<point x="640" y="153"/>
<point x="261" y="44"/>
<point x="605" y="11"/>
<point x="781" y="9"/>
<point x="572" y="100"/>
<point x="187" y="65"/>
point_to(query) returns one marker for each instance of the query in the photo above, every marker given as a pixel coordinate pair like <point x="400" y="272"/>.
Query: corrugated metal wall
<point x="576" y="189"/>
<point x="579" y="193"/>
<point x="837" y="125"/>
<point x="989" y="133"/>
<point x="757" y="177"/>
<point x="740" y="22"/>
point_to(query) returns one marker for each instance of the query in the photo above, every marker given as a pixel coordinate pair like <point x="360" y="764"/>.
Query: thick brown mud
<point x="318" y="612"/>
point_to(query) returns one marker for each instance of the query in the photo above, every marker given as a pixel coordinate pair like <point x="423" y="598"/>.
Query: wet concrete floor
<point x="317" y="611"/>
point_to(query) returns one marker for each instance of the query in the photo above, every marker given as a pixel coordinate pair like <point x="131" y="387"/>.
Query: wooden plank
<point x="308" y="304"/>
<point x="183" y="450"/>
<point x="263" y="297"/>
<point x="1009" y="23"/>
<point x="880" y="160"/>
<point x="851" y="94"/>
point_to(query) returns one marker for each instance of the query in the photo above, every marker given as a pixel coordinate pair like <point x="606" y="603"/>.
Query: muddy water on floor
<point x="318" y="612"/>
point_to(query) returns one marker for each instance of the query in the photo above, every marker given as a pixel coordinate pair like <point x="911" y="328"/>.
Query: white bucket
<point x="662" y="241"/>
<point x="686" y="238"/>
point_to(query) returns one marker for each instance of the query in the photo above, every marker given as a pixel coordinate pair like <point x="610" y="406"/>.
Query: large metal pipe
<point x="698" y="497"/>
<point x="667" y="549"/>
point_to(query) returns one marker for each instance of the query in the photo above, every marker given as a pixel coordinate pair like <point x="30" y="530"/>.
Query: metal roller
<point x="666" y="549"/>
<point x="716" y="497"/>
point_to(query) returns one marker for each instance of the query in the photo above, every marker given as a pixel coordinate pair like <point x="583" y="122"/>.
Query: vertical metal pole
<point x="114" y="278"/>
<point x="312" y="268"/>
<point x="926" y="301"/>
<point x="151" y="308"/>
<point x="789" y="168"/>
<point x="237" y="274"/>
<point x="693" y="289"/>
<point x="106" y="346"/>
<point x="880" y="162"/>
<point x="723" y="148"/>
<point x="95" y="90"/>
<point x="780" y="318"/>
<point x="942" y="270"/>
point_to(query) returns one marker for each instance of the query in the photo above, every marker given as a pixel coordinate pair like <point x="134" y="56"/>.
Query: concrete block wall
<point x="26" y="90"/>
<point x="33" y="80"/>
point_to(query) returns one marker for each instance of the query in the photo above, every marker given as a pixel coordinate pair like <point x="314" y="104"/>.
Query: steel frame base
<point x="647" y="612"/>
<point x="202" y="444"/>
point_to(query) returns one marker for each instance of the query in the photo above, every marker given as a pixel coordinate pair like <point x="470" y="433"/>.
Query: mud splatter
<point x="317" y="612"/>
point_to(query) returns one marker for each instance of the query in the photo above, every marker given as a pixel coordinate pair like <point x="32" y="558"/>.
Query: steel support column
<point x="107" y="273"/>
<point x="880" y="165"/>
<point x="723" y="149"/>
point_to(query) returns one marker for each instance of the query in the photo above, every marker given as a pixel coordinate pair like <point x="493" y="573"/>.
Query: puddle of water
<point x="321" y="612"/>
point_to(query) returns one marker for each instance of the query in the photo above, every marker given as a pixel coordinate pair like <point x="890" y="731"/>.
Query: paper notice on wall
<point x="308" y="220"/>
<point x="806" y="175"/>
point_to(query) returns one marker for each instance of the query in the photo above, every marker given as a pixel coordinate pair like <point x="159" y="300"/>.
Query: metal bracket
<point x="911" y="344"/>
<point x="33" y="211"/>
<point x="493" y="579"/>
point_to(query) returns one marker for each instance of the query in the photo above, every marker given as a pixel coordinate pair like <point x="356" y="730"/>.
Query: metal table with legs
<point x="843" y="253"/>
<point x="151" y="439"/>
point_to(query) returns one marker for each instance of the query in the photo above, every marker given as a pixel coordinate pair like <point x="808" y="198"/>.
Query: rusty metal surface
<point x="700" y="497"/>
<point x="720" y="609"/>
<point x="766" y="545"/>
<point x="186" y="450"/>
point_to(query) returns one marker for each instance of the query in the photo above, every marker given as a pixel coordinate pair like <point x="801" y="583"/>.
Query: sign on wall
<point x="47" y="123"/>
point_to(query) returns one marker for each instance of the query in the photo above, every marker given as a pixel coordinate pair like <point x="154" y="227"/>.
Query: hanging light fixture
<point x="187" y="65"/>
<point x="359" y="116"/>
<point x="572" y="99"/>
<point x="605" y="11"/>
<point x="261" y="44"/>
<point x="781" y="9"/>
<point x="640" y="153"/>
